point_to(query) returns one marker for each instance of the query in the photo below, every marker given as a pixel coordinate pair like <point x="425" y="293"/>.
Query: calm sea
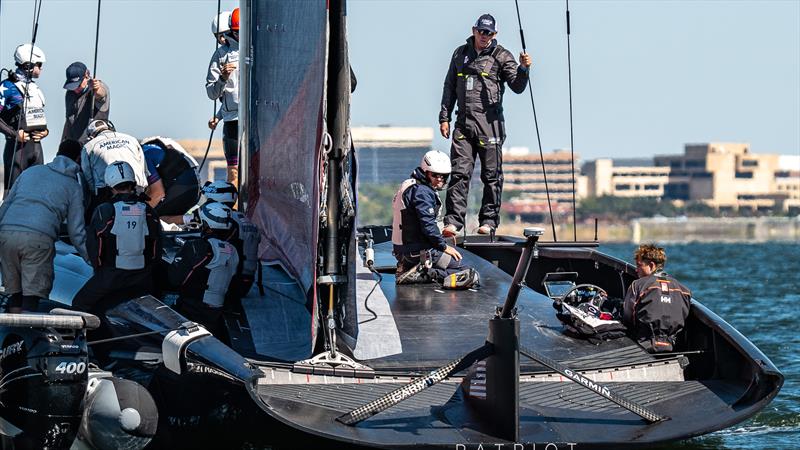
<point x="755" y="288"/>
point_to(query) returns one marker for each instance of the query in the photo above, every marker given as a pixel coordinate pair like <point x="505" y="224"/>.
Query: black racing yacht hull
<point x="714" y="379"/>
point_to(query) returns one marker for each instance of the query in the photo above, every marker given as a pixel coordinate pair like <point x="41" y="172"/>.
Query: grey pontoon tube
<point x="58" y="318"/>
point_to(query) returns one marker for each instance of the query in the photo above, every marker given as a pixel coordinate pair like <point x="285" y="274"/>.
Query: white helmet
<point x="436" y="162"/>
<point x="23" y="54"/>
<point x="219" y="191"/>
<point x="119" y="172"/>
<point x="216" y="216"/>
<point x="222" y="21"/>
<point x="97" y="126"/>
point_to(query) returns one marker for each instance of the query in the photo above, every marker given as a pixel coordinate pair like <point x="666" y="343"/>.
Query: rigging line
<point x="214" y="111"/>
<point x="571" y="140"/>
<point x="94" y="67"/>
<point x="37" y="10"/>
<point x="536" y="125"/>
<point x="372" y="269"/>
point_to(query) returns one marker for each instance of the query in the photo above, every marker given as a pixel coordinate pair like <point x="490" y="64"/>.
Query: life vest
<point x="176" y="159"/>
<point x="249" y="238"/>
<point x="399" y="211"/>
<point x="407" y="233"/>
<point x="480" y="74"/>
<point x="129" y="232"/>
<point x="34" y="117"/>
<point x="221" y="270"/>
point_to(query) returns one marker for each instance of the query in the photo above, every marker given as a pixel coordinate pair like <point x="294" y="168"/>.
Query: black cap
<point x="75" y="73"/>
<point x="486" y="22"/>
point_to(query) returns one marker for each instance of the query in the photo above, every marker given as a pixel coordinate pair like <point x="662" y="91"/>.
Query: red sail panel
<point x="283" y="108"/>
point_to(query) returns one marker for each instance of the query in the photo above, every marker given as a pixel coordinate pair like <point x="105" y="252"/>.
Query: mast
<point x="336" y="221"/>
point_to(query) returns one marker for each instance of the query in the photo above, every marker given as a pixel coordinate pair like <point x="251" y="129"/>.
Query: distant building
<point x="625" y="178"/>
<point x="524" y="193"/>
<point x="523" y="175"/>
<point x="387" y="155"/>
<point x="723" y="175"/>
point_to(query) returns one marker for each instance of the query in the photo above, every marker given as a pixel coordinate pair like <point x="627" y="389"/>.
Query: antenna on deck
<point x="536" y="125"/>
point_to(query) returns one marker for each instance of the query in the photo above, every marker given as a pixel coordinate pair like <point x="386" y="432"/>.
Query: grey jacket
<point x="475" y="82"/>
<point x="42" y="197"/>
<point x="226" y="91"/>
<point x="78" y="115"/>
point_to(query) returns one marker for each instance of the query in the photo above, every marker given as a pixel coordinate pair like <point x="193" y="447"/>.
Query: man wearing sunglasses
<point x="422" y="253"/>
<point x="22" y="118"/>
<point x="475" y="82"/>
<point x="82" y="94"/>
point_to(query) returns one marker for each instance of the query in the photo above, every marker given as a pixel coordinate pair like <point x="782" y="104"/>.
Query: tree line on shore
<point x="375" y="201"/>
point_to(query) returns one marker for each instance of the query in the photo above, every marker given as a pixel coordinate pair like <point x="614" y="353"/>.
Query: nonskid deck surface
<point x="555" y="411"/>
<point x="436" y="326"/>
<point x="419" y="327"/>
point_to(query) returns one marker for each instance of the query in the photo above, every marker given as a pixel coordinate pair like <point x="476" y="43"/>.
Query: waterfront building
<point x="723" y="175"/>
<point x="524" y="193"/>
<point x="387" y="155"/>
<point x="636" y="177"/>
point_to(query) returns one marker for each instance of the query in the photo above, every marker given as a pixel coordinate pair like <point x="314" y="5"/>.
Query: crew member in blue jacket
<point x="421" y="251"/>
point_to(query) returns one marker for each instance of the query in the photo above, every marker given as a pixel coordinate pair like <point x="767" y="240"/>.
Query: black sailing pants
<point x="463" y="152"/>
<point x="110" y="286"/>
<point x="27" y="155"/>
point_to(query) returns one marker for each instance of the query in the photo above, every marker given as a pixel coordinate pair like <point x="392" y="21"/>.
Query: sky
<point x="647" y="76"/>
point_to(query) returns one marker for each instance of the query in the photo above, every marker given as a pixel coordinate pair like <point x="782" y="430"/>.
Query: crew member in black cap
<point x="80" y="88"/>
<point x="475" y="82"/>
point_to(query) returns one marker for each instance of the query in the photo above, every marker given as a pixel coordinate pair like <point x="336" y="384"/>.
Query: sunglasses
<point x="441" y="176"/>
<point x="486" y="33"/>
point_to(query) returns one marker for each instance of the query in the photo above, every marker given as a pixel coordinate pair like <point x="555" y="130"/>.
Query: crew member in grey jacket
<point x="30" y="218"/>
<point x="475" y="81"/>
<point x="82" y="93"/>
<point x="222" y="83"/>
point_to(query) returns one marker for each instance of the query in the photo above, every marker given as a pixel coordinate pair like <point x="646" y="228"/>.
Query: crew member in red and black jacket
<point x="123" y="243"/>
<point x="656" y="305"/>
<point x="203" y="268"/>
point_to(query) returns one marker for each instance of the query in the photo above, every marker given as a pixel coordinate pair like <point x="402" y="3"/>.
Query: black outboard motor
<point x="43" y="378"/>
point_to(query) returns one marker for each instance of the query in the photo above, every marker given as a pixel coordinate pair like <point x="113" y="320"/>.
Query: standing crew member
<point x="173" y="181"/>
<point x="656" y="305"/>
<point x="203" y="269"/>
<point x="30" y="218"/>
<point x="222" y="83"/>
<point x="124" y="243"/>
<point x="22" y="118"/>
<point x="421" y="251"/>
<point x="81" y="87"/>
<point x="106" y="146"/>
<point x="474" y="82"/>
<point x="244" y="236"/>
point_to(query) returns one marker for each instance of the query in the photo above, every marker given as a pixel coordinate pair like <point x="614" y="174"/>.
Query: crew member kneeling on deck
<point x="123" y="244"/>
<point x="656" y="305"/>
<point x="243" y="235"/>
<point x="173" y="181"/>
<point x="203" y="268"/>
<point x="421" y="251"/>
